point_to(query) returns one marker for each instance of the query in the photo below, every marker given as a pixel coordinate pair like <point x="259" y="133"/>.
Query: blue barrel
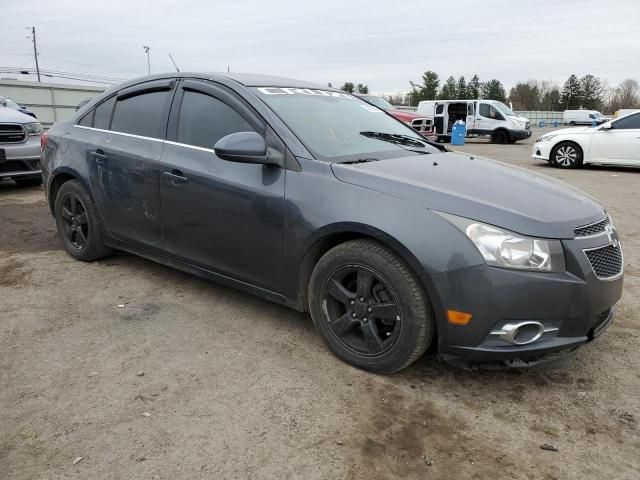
<point x="542" y="124"/>
<point x="555" y="124"/>
<point x="457" y="133"/>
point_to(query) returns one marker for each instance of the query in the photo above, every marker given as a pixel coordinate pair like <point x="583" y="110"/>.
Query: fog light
<point x="522" y="333"/>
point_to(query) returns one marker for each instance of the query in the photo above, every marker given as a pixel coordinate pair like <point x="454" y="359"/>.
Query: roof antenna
<point x="174" y="63"/>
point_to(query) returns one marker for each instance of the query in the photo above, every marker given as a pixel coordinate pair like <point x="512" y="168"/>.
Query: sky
<point x="384" y="44"/>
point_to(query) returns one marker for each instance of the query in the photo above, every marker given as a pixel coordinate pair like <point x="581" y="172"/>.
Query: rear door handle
<point x="98" y="156"/>
<point x="176" y="177"/>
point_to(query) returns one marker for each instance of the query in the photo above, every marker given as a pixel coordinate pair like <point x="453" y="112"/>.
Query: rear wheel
<point x="572" y="123"/>
<point x="78" y="223"/>
<point x="566" y="155"/>
<point x="28" y="182"/>
<point x="369" y="307"/>
<point x="499" y="136"/>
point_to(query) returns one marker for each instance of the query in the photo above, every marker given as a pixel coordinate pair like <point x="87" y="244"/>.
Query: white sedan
<point x="616" y="142"/>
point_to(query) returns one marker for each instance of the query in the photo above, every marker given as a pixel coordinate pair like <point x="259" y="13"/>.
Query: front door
<point x="219" y="215"/>
<point x="488" y="118"/>
<point x="123" y="165"/>
<point x="620" y="144"/>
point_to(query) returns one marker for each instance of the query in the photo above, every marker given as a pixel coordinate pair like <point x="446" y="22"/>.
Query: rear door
<point x="123" y="166"/>
<point x="620" y="144"/>
<point x="224" y="216"/>
<point x="441" y="118"/>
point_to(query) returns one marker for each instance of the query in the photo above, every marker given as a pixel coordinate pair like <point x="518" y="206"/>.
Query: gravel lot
<point x="237" y="387"/>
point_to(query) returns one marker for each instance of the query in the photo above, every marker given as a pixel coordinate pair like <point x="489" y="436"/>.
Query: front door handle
<point x="98" y="156"/>
<point x="176" y="177"/>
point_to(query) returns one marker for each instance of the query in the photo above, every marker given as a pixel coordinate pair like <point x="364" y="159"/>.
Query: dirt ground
<point x="237" y="387"/>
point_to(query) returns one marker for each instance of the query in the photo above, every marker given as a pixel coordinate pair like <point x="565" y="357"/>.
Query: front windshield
<point x="7" y="102"/>
<point x="379" y="102"/>
<point x="504" y="109"/>
<point x="336" y="126"/>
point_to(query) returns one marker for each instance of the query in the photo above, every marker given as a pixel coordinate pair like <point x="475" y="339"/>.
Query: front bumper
<point x="20" y="160"/>
<point x="519" y="134"/>
<point x="575" y="306"/>
<point x="542" y="150"/>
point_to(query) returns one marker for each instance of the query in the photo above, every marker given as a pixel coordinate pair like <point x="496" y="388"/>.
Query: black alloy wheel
<point x="362" y="310"/>
<point x="75" y="222"/>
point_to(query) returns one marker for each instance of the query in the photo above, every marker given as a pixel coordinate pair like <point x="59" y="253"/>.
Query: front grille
<point x="592" y="229"/>
<point x="12" y="133"/>
<point x="605" y="261"/>
<point x="422" y="125"/>
<point x="527" y="126"/>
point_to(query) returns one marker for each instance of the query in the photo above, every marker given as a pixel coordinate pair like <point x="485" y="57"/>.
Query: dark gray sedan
<point x="318" y="200"/>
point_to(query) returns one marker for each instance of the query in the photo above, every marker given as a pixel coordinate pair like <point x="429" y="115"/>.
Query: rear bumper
<point x="574" y="306"/>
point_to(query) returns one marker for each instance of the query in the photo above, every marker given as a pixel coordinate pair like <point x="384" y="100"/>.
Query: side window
<point x="142" y="114"/>
<point x="87" y="119"/>
<point x="103" y="114"/>
<point x="626" y="123"/>
<point x="591" y="115"/>
<point x="489" y="111"/>
<point x="203" y="120"/>
<point x="440" y="109"/>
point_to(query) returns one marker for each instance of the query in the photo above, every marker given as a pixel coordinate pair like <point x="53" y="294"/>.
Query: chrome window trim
<point x="153" y="139"/>
<point x="186" y="145"/>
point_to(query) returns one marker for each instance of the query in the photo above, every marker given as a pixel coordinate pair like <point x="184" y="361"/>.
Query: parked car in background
<point x="8" y="103"/>
<point x="583" y="117"/>
<point x="616" y="142"/>
<point x="482" y="118"/>
<point x="315" y="199"/>
<point x="420" y="123"/>
<point x="625" y="111"/>
<point x="19" y="148"/>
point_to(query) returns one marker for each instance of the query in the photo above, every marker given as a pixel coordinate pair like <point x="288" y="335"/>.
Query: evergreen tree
<point x="461" y="88"/>
<point x="592" y="91"/>
<point x="473" y="88"/>
<point x="571" y="96"/>
<point x="363" y="89"/>
<point x="493" y="90"/>
<point x="348" y="87"/>
<point x="449" y="89"/>
<point x="429" y="88"/>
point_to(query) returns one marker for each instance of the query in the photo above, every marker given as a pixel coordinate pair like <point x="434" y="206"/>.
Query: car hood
<point x="14" y="116"/>
<point x="571" y="131"/>
<point x="480" y="189"/>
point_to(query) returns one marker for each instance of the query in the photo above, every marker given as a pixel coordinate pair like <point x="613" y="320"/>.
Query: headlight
<point x="502" y="248"/>
<point x="33" y="128"/>
<point x="545" y="138"/>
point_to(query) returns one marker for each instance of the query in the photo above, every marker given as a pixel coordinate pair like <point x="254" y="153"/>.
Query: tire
<point x="388" y="330"/>
<point x="572" y="123"/>
<point x="499" y="136"/>
<point x="28" y="182"/>
<point x="566" y="155"/>
<point x="79" y="224"/>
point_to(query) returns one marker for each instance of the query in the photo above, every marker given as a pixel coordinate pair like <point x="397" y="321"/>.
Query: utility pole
<point x="146" y="49"/>
<point x="35" y="50"/>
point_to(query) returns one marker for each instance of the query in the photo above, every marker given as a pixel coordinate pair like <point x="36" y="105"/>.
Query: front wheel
<point x="499" y="136"/>
<point x="369" y="307"/>
<point x="567" y="155"/>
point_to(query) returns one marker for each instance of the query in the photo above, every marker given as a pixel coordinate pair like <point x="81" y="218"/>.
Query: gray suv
<point x="19" y="148"/>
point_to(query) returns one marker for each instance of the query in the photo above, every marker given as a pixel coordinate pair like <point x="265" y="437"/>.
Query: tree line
<point x="589" y="92"/>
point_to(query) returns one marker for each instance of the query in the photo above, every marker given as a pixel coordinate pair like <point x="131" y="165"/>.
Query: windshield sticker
<point x="371" y="108"/>
<point x="302" y="91"/>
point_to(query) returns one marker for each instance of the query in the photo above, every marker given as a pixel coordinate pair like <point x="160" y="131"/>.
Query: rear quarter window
<point x="103" y="114"/>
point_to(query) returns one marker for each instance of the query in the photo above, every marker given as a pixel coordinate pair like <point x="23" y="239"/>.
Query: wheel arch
<point x="58" y="177"/>
<point x="573" y="141"/>
<point x="502" y="130"/>
<point x="332" y="235"/>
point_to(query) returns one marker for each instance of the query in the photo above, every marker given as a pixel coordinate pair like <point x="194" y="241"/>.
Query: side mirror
<point x="607" y="126"/>
<point x="242" y="147"/>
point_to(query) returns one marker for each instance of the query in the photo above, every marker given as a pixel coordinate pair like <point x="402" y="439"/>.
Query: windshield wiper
<point x="361" y="160"/>
<point x="396" y="138"/>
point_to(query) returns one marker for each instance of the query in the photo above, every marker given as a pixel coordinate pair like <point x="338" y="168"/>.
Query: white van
<point x="582" y="117"/>
<point x="482" y="118"/>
